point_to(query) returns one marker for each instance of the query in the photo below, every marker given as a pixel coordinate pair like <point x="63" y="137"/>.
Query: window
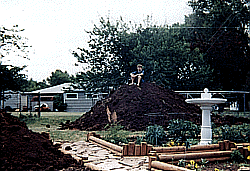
<point x="71" y="96"/>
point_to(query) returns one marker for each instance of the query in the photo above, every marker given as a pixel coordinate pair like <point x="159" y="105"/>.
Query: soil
<point x="130" y="106"/>
<point x="22" y="149"/>
<point x="223" y="165"/>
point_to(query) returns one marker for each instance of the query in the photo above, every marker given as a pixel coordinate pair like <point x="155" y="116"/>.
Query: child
<point x="139" y="74"/>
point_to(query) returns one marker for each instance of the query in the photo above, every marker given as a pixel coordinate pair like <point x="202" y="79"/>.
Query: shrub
<point x="116" y="134"/>
<point x="155" y="135"/>
<point x="236" y="156"/>
<point x="182" y="130"/>
<point x="235" y="133"/>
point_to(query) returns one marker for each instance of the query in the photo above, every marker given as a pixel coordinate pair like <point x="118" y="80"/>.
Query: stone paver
<point x="98" y="158"/>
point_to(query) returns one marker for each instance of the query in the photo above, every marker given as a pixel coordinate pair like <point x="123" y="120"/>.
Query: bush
<point x="182" y="130"/>
<point x="116" y="134"/>
<point x="236" y="156"/>
<point x="155" y="135"/>
<point x="236" y="133"/>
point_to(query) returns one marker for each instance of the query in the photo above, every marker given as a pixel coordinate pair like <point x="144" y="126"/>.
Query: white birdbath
<point x="206" y="103"/>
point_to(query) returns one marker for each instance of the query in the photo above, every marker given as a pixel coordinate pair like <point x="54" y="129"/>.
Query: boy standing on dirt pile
<point x="139" y="74"/>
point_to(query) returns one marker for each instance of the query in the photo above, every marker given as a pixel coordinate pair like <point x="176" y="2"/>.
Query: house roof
<point x="53" y="90"/>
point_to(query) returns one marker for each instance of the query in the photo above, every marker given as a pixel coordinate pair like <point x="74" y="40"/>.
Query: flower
<point x="248" y="157"/>
<point x="172" y="142"/>
<point x="192" y="162"/>
<point x="196" y="165"/>
<point x="248" y="148"/>
<point x="216" y="169"/>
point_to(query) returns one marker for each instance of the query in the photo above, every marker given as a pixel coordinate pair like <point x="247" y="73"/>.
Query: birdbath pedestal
<point x="206" y="103"/>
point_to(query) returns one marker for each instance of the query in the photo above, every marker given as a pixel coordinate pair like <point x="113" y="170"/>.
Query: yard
<point x="50" y="122"/>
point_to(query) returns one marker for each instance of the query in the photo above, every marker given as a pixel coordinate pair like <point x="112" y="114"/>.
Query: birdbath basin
<point x="206" y="103"/>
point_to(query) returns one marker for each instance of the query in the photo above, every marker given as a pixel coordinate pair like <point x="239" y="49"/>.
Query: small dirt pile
<point x="22" y="149"/>
<point x="129" y="105"/>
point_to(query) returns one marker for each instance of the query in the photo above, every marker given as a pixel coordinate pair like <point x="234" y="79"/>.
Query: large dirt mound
<point x="130" y="104"/>
<point x="22" y="149"/>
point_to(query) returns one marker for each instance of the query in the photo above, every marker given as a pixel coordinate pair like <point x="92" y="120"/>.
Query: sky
<point x="55" y="28"/>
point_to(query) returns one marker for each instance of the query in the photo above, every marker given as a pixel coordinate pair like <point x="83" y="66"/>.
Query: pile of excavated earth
<point x="137" y="107"/>
<point x="22" y="149"/>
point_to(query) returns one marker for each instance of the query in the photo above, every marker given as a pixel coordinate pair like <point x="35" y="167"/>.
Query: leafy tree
<point x="219" y="29"/>
<point x="13" y="80"/>
<point x="115" y="50"/>
<point x="59" y="103"/>
<point x="12" y="43"/>
<point x="58" y="77"/>
<point x="31" y="85"/>
<point x="104" y="57"/>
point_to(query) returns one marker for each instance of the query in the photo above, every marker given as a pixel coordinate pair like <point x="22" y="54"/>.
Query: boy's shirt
<point x="139" y="72"/>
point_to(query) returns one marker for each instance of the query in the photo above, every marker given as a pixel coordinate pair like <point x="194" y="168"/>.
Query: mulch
<point x="22" y="149"/>
<point x="130" y="106"/>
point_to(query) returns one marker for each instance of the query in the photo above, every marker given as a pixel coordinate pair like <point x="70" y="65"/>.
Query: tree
<point x="104" y="57"/>
<point x="58" y="77"/>
<point x="13" y="80"/>
<point x="219" y="29"/>
<point x="31" y="85"/>
<point x="12" y="43"/>
<point x="115" y="49"/>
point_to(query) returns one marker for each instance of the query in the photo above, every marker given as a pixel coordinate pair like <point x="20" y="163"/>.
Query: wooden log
<point x="227" y="144"/>
<point x="204" y="147"/>
<point x="246" y="153"/>
<point x="143" y="148"/>
<point x="222" y="145"/>
<point x="137" y="150"/>
<point x="107" y="144"/>
<point x="194" y="155"/>
<point x="105" y="147"/>
<point x="125" y="149"/>
<point x="165" y="166"/>
<point x="240" y="148"/>
<point x="149" y="148"/>
<point x="151" y="158"/>
<point x="168" y="149"/>
<point x="208" y="159"/>
<point x="232" y="145"/>
<point x="88" y="137"/>
<point x="244" y="144"/>
<point x="187" y="152"/>
<point x="131" y="149"/>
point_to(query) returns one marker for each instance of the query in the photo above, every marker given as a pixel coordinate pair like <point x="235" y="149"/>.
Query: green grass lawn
<point x="53" y="119"/>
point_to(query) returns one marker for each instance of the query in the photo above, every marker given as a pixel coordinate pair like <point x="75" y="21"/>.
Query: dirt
<point x="22" y="149"/>
<point x="223" y="165"/>
<point x="129" y="106"/>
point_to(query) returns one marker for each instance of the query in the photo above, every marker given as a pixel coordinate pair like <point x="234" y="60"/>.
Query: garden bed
<point x="166" y="158"/>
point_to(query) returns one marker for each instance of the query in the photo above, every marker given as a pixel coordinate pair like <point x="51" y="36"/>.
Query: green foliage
<point x="235" y="133"/>
<point x="31" y="85"/>
<point x="220" y="27"/>
<point x="116" y="48"/>
<point x="155" y="135"/>
<point x="11" y="79"/>
<point x="12" y="44"/>
<point x="59" y="103"/>
<point x="203" y="162"/>
<point x="182" y="130"/>
<point x="115" y="134"/>
<point x="236" y="156"/>
<point x="58" y="77"/>
<point x="182" y="163"/>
